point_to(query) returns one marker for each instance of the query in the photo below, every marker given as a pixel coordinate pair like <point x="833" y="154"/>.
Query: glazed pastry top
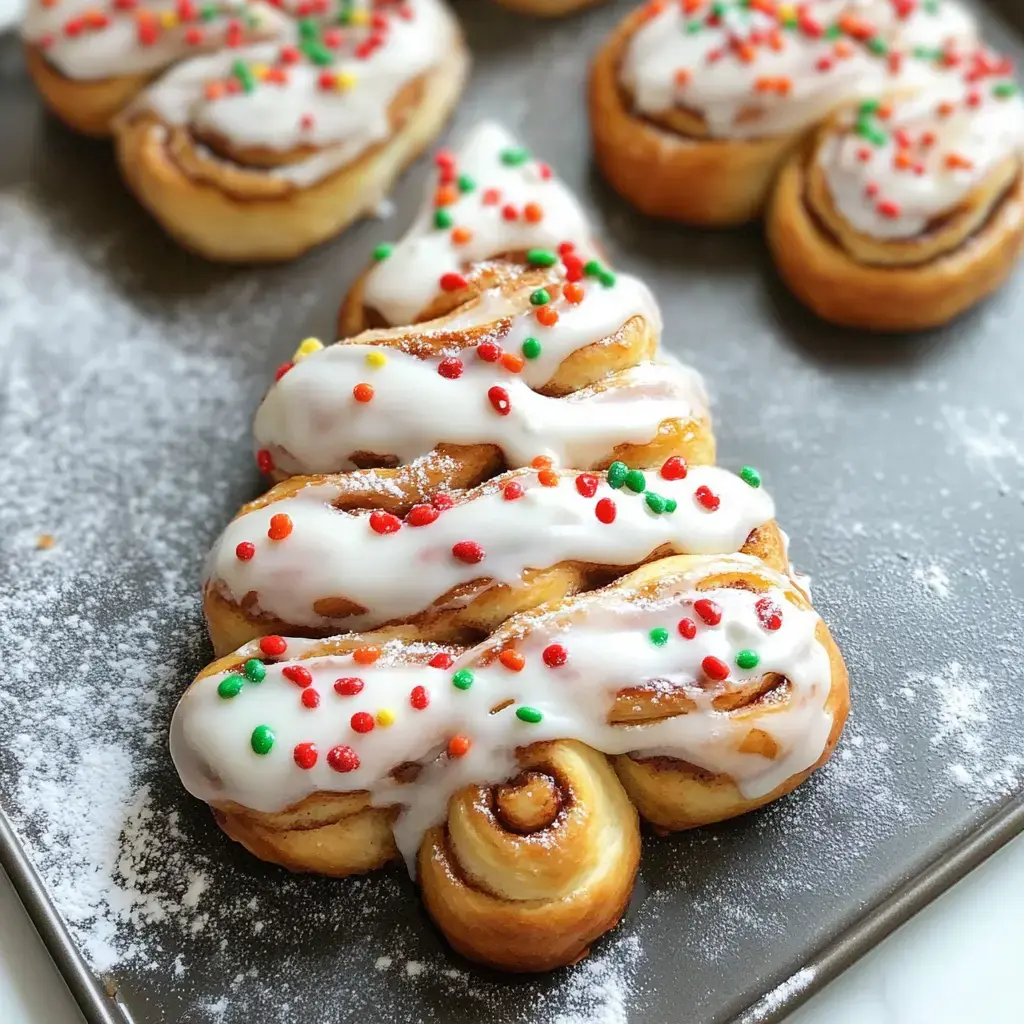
<point x="269" y="735"/>
<point x="318" y="99"/>
<point x="756" y="68"/>
<point x="491" y="197"/>
<point x="895" y="166"/>
<point x="362" y="396"/>
<point x="393" y="569"/>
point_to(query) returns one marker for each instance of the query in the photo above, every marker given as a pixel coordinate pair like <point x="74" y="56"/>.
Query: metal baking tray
<point x="130" y="370"/>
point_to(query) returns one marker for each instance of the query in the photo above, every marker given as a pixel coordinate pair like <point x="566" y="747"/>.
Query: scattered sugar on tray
<point x="772" y="1001"/>
<point x="935" y="579"/>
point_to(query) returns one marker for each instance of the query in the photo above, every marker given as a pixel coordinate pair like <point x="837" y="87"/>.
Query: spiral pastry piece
<point x="489" y="206"/>
<point x="260" y="153"/>
<point x="293" y="562"/>
<point x="537" y="367"/>
<point x="908" y="210"/>
<point x="525" y="875"/>
<point x="695" y="105"/>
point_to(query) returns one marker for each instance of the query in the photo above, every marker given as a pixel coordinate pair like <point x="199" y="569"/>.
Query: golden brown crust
<point x="854" y="281"/>
<point x="524" y="877"/>
<point x="683" y="177"/>
<point x="237" y="212"/>
<point x="547" y="8"/>
<point x="87" y="107"/>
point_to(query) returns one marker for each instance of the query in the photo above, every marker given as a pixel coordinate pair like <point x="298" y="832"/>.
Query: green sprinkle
<point x="308" y="29"/>
<point x="927" y="53"/>
<point x="607" y="278"/>
<point x="655" y="502"/>
<point x="442" y="219"/>
<point x="208" y="12"/>
<point x="262" y="740"/>
<point x="718" y="9"/>
<point x="635" y="481"/>
<point x="592" y="268"/>
<point x="383" y="251"/>
<point x="749" y="475"/>
<point x="693" y="27"/>
<point x="244" y="74"/>
<point x="878" y="46"/>
<point x="531" y="348"/>
<point x="540" y="297"/>
<point x="747" y="659"/>
<point x="866" y="129"/>
<point x="617" y="473"/>
<point x="466" y="183"/>
<point x="514" y="157"/>
<point x="671" y="505"/>
<point x="869" y="107"/>
<point x="930" y="6"/>
<point x="659" y="636"/>
<point x="528" y="714"/>
<point x="255" y="671"/>
<point x="230" y="687"/>
<point x="1004" y="89"/>
<point x="832" y="33"/>
<point x="541" y="257"/>
<point x="316" y="53"/>
<point x="463" y="679"/>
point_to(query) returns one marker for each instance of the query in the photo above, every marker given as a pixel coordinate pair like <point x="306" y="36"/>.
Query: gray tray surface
<point x="129" y="371"/>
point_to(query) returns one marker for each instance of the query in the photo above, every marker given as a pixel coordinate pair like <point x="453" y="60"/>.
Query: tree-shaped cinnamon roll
<point x="909" y="209"/>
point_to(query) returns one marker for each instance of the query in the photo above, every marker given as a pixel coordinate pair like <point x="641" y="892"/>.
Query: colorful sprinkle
<point x="452" y="282"/>
<point x="265" y="461"/>
<point x="555" y="655"/>
<point x="659" y="636"/>
<point x="512" y="660"/>
<point x="768" y="613"/>
<point x="348" y="686"/>
<point x="655" y="502"/>
<point x="636" y="481"/>
<point x="383" y="251"/>
<point x="605" y="511"/>
<point x="307" y="348"/>
<point x="715" y="668"/>
<point x="541" y="257"/>
<point x="262" y="740"/>
<point x="540" y="297"/>
<point x="586" y="484"/>
<point x="280" y="526"/>
<point x="365" y="655"/>
<point x="421" y="515"/>
<point x="463" y="679"/>
<point x="384" y="522"/>
<point x="488" y="351"/>
<point x="376" y="359"/>
<point x="297" y="674"/>
<point x="305" y="755"/>
<point x="617" y="473"/>
<point x="531" y="348"/>
<point x="419" y="698"/>
<point x="255" y="671"/>
<point x="750" y="476"/>
<point x="273" y="646"/>
<point x="530" y="715"/>
<point x="687" y="629"/>
<point x="515" y="157"/>
<point x="513" y="491"/>
<point x="230" y="687"/>
<point x="362" y="722"/>
<point x="706" y="499"/>
<point x="498" y="397"/>
<point x="747" y="659"/>
<point x="442" y="660"/>
<point x="458" y="746"/>
<point x="310" y="699"/>
<point x="385" y="717"/>
<point x="245" y="551"/>
<point x="710" y="612"/>
<point x="468" y="551"/>
<point x="363" y="392"/>
<point x="342" y="758"/>
<point x="450" y="368"/>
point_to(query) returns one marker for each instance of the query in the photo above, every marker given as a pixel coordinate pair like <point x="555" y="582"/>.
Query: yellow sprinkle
<point x="376" y="359"/>
<point x="385" y="717"/>
<point x="359" y="18"/>
<point x="344" y="80"/>
<point x="259" y="70"/>
<point x="785" y="12"/>
<point x="307" y="348"/>
<point x="168" y="19"/>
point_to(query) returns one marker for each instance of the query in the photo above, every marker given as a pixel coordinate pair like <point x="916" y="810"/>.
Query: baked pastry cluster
<point x="881" y="136"/>
<point x="252" y="132"/>
<point x="501" y="605"/>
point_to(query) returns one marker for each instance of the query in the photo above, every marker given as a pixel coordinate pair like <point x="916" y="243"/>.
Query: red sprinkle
<point x="385" y="522"/>
<point x="343" y="759"/>
<point x="488" y="351"/>
<point x="710" y="612"/>
<point x="362" y="721"/>
<point x="305" y="755"/>
<point x="452" y="282"/>
<point x="264" y="461"/>
<point x="442" y="660"/>
<point x="273" y="646"/>
<point x="509" y="212"/>
<point x="363" y="392"/>
<point x="555" y="655"/>
<point x="715" y="668"/>
<point x="419" y="698"/>
<point x="310" y="698"/>
<point x="421" y="515"/>
<point x="348" y="686"/>
<point x="468" y="551"/>
<point x="282" y="370"/>
<point x="586" y="484"/>
<point x="706" y="498"/>
<point x="450" y="368"/>
<point x="887" y="208"/>
<point x="498" y="398"/>
<point x="245" y="551"/>
<point x="687" y="629"/>
<point x="513" y="490"/>
<point x="674" y="468"/>
<point x="768" y="613"/>
<point x="297" y="674"/>
<point x="280" y="526"/>
<point x="491" y="197"/>
<point x="605" y="511"/>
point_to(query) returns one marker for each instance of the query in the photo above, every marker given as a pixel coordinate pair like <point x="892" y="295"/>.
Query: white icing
<point x="311" y="423"/>
<point x="727" y="90"/>
<point x="985" y="134"/>
<point x="340" y="124"/>
<point x="331" y="553"/>
<point x="94" y="54"/>
<point x="403" y="285"/>
<point x="608" y="642"/>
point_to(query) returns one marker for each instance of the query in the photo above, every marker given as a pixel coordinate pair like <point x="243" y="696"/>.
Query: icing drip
<point x="302" y="93"/>
<point x="312" y="421"/>
<point x="512" y="204"/>
<point x="611" y="639"/>
<point x="759" y="69"/>
<point x="395" y="575"/>
<point x="91" y="41"/>
<point x="896" y="166"/>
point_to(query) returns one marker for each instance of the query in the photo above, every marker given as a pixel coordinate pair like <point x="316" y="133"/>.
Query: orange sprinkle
<point x="842" y="49"/>
<point x="512" y="660"/>
<point x="280" y="526"/>
<point x="957" y="162"/>
<point x="45" y="541"/>
<point x="573" y="293"/>
<point x="653" y="9"/>
<point x="548" y="478"/>
<point x="365" y="655"/>
<point x="683" y="76"/>
<point x="542" y="462"/>
<point x="363" y="392"/>
<point x="775" y="40"/>
<point x="945" y="109"/>
<point x="460" y="236"/>
<point x="547" y="316"/>
<point x="856" y="27"/>
<point x="692" y="6"/>
<point x="902" y="160"/>
<point x="745" y="52"/>
<point x="513" y="362"/>
<point x="884" y="112"/>
<point x="446" y="195"/>
<point x="458" y="746"/>
<point x="533" y="212"/>
<point x="214" y="90"/>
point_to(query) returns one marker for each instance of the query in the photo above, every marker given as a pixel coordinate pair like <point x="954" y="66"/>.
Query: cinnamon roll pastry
<point x="90" y="60"/>
<point x="695" y="105"/>
<point x="485" y="763"/>
<point x="539" y="367"/>
<point x="262" y="152"/>
<point x="490" y="205"/>
<point x="295" y="563"/>
<point x="907" y="211"/>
